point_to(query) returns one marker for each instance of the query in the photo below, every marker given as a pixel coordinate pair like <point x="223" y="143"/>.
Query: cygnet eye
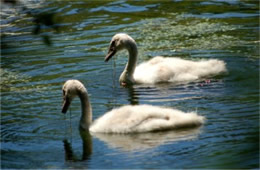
<point x="64" y="94"/>
<point x="113" y="45"/>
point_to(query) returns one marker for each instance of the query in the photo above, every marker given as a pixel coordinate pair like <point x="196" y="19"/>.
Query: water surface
<point x="34" y="133"/>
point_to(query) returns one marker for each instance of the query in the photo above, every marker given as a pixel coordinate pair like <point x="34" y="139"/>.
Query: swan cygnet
<point x="129" y="118"/>
<point x="160" y="69"/>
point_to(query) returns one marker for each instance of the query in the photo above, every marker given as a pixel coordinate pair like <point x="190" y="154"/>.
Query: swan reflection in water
<point x="86" y="147"/>
<point x="144" y="141"/>
<point x="129" y="142"/>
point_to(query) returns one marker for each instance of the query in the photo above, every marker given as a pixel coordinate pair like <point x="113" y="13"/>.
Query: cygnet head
<point x="119" y="42"/>
<point x="71" y="89"/>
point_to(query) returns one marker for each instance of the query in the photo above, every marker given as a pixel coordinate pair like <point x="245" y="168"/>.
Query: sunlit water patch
<point x="179" y="33"/>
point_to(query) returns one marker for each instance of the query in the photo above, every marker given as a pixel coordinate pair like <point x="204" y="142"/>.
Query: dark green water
<point x="34" y="132"/>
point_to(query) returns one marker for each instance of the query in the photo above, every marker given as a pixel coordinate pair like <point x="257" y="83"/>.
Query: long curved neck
<point x="86" y="116"/>
<point x="127" y="75"/>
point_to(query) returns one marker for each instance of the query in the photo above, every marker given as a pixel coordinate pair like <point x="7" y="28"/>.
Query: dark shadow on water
<point x="40" y="21"/>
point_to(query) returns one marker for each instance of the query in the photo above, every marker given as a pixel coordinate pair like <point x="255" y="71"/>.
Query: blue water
<point x="34" y="132"/>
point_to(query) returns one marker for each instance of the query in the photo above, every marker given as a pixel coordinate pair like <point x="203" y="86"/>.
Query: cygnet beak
<point x="110" y="54"/>
<point x="111" y="51"/>
<point x="66" y="104"/>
